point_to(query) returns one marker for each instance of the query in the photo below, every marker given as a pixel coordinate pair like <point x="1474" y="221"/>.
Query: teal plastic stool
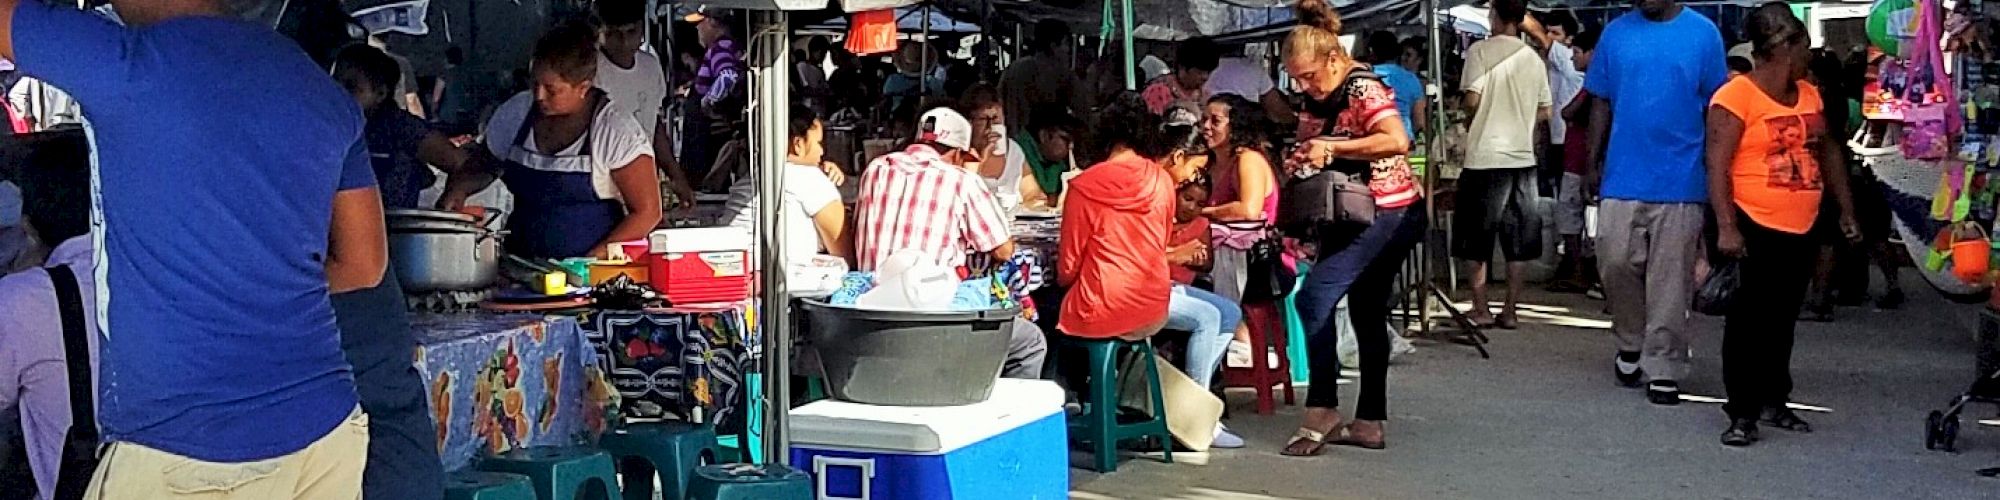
<point x="672" y="449"/>
<point x="561" y="473"/>
<point x="478" y="485"/>
<point x="750" y="482"/>
<point x="1098" y="424"/>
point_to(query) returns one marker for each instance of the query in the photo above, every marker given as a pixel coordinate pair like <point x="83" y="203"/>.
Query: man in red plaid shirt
<point x="922" y="199"/>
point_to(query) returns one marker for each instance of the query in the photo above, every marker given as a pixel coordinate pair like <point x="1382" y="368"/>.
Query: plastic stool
<point x="477" y="485"/>
<point x="1098" y="424"/>
<point x="749" y="482"/>
<point x="560" y="473"/>
<point x="672" y="449"/>
<point x="1266" y="335"/>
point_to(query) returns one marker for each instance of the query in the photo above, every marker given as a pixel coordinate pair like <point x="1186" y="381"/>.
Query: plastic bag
<point x="1718" y="293"/>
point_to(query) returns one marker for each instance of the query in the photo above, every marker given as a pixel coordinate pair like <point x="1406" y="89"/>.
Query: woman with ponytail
<point x="1356" y="129"/>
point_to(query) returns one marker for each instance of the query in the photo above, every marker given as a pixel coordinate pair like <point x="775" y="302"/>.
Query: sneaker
<point x="1742" y="432"/>
<point x="1628" y="372"/>
<point x="1784" y="418"/>
<point x="1596" y="292"/>
<point x="1664" y="393"/>
<point x="1226" y="440"/>
<point x="1239" y="354"/>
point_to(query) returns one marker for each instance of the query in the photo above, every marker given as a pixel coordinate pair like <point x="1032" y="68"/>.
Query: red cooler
<point x="701" y="265"/>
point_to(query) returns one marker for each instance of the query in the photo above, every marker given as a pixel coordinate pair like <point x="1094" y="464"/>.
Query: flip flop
<point x="1347" y="439"/>
<point x="1304" y="435"/>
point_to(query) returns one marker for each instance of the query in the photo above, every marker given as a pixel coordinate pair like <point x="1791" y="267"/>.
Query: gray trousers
<point x="1646" y="253"/>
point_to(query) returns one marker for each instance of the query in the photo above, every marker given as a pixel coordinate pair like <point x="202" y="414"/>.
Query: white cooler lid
<point x="699" y="239"/>
<point x="925" y="430"/>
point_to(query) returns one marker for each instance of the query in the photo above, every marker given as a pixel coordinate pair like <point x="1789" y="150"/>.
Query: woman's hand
<point x="1850" y="228"/>
<point x="833" y="173"/>
<point x="1729" y="241"/>
<point x="1322" y="150"/>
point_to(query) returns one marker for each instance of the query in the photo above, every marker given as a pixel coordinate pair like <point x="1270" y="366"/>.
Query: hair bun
<point x="1318" y="14"/>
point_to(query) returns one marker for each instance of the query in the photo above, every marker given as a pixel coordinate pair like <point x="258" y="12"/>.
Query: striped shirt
<point x="915" y="200"/>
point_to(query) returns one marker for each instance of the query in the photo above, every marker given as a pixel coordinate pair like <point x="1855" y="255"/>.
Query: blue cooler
<point x="1012" y="446"/>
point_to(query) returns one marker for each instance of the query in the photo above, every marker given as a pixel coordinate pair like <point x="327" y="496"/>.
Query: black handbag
<point x="1717" y="295"/>
<point x="1336" y="195"/>
<point x="1270" y="280"/>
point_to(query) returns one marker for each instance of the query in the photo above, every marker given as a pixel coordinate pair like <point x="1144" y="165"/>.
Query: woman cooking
<point x="582" y="175"/>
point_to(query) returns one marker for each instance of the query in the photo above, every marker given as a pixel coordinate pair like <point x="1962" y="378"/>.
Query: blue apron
<point x="557" y="212"/>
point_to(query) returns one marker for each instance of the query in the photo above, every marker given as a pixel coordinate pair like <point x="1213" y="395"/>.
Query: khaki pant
<point x="1646" y="254"/>
<point x="328" y="469"/>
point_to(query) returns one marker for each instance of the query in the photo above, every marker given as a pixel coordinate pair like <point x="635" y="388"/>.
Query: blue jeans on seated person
<point x="1210" y="321"/>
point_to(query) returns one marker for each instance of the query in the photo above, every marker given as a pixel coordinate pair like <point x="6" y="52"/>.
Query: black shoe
<point x="1784" y="418"/>
<point x="1742" y="432"/>
<point x="1891" y="300"/>
<point x="1628" y="372"/>
<point x="1664" y="393"/>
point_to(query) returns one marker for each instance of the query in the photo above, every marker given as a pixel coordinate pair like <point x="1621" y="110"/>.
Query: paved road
<point x="1543" y="420"/>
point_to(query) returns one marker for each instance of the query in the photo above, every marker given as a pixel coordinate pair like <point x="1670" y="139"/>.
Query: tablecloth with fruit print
<point x="500" y="382"/>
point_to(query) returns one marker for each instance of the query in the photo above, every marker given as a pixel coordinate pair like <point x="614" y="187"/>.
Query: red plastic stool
<point x="1267" y="332"/>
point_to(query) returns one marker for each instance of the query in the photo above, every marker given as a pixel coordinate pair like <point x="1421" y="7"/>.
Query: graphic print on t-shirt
<point x="1791" y="163"/>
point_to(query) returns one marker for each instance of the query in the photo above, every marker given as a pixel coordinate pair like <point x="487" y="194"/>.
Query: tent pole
<point x="770" y="80"/>
<point x="923" y="79"/>
<point x="1431" y="164"/>
<point x="1131" y="73"/>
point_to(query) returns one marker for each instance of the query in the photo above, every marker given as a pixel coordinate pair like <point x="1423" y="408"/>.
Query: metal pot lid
<point x="433" y="226"/>
<point x="436" y="215"/>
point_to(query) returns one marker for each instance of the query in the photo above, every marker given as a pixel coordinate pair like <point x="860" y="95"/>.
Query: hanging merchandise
<point x="873" y="32"/>
<point x="1882" y="97"/>
<point x="1888" y="24"/>
<point x="1933" y="116"/>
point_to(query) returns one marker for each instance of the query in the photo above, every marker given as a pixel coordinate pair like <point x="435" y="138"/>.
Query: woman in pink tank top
<point x="1244" y="197"/>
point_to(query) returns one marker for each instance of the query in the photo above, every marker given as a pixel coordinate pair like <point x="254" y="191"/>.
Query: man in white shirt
<point x="1507" y="86"/>
<point x="1565" y="82"/>
<point x="637" y="85"/>
<point x="1244" y="77"/>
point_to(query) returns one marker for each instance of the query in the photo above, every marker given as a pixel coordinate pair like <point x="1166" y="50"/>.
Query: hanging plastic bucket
<point x="1971" y="254"/>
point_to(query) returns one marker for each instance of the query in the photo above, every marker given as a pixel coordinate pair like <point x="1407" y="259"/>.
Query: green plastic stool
<point x="749" y="482"/>
<point x="672" y="449"/>
<point x="1098" y="424"/>
<point x="569" y="473"/>
<point x="478" y="485"/>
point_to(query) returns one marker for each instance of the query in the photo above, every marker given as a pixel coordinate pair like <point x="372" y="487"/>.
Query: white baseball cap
<point x="947" y="128"/>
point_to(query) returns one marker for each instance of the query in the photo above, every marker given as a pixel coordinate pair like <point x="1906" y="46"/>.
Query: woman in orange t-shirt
<point x="1770" y="159"/>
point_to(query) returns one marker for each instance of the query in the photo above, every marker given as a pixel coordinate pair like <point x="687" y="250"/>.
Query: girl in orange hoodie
<point x="1116" y="226"/>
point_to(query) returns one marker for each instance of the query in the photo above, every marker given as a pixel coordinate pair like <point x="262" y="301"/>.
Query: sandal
<point x="1347" y="439"/>
<point x="1508" y="321"/>
<point x="1315" y="439"/>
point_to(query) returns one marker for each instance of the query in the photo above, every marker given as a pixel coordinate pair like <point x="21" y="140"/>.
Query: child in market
<point x="1188" y="250"/>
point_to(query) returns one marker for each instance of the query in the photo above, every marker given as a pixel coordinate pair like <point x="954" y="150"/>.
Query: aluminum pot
<point x="433" y="253"/>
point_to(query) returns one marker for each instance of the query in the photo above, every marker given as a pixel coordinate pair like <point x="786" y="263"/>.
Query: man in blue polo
<point x="1652" y="75"/>
<point x="235" y="195"/>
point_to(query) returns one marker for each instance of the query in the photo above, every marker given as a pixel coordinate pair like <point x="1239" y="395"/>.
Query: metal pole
<point x="923" y="79"/>
<point x="770" y="77"/>
<point x="1431" y="163"/>
<point x="1131" y="73"/>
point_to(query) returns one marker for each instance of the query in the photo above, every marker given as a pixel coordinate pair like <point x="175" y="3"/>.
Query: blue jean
<point x="1210" y="321"/>
<point x="402" y="441"/>
<point x="1361" y="266"/>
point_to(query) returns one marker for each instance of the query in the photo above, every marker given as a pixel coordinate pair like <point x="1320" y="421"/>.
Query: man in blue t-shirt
<point x="235" y="196"/>
<point x="1651" y="76"/>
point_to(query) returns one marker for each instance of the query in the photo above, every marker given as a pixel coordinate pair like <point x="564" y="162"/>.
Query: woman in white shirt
<point x="813" y="218"/>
